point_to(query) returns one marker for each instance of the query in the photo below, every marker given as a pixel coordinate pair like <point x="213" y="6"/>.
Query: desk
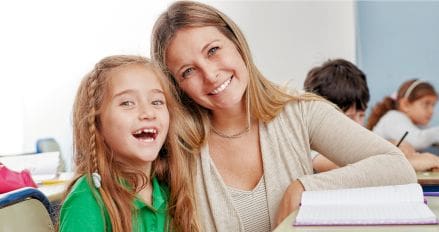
<point x="429" y="181"/>
<point x="54" y="192"/>
<point x="428" y="178"/>
<point x="433" y="203"/>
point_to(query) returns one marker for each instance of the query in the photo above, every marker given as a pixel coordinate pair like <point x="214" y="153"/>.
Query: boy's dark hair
<point x="341" y="82"/>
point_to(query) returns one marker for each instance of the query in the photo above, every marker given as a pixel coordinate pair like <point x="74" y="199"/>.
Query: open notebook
<point x="395" y="204"/>
<point x="41" y="165"/>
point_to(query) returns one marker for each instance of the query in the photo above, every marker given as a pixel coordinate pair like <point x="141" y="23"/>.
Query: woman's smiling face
<point x="208" y="67"/>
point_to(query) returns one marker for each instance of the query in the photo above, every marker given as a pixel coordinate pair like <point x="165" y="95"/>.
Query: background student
<point x="251" y="138"/>
<point x="345" y="85"/>
<point x="411" y="110"/>
<point x="131" y="174"/>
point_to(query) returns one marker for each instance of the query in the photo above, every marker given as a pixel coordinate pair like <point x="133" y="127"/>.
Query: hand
<point x="424" y="161"/>
<point x="290" y="201"/>
<point x="406" y="148"/>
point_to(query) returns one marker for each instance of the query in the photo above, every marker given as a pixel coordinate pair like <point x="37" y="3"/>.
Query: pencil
<point x="403" y="137"/>
<point x="53" y="181"/>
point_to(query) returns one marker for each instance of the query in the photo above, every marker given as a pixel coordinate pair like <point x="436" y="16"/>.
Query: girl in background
<point x="131" y="174"/>
<point x="411" y="111"/>
<point x="345" y="85"/>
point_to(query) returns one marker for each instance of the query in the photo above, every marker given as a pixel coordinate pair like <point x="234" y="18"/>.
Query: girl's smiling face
<point x="135" y="117"/>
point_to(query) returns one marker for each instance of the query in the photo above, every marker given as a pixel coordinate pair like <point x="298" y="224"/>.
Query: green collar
<point x="159" y="197"/>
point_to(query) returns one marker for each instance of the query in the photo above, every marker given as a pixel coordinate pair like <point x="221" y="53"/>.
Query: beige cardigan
<point x="286" y="141"/>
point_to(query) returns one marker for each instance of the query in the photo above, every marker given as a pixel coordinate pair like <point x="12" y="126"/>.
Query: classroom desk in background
<point x="428" y="178"/>
<point x="429" y="181"/>
<point x="54" y="188"/>
<point x="433" y="203"/>
<point x="53" y="192"/>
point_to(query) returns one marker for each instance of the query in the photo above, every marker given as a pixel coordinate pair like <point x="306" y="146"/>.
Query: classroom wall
<point x="48" y="46"/>
<point x="397" y="41"/>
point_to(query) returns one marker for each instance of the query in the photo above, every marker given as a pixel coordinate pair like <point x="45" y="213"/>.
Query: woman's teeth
<point x="221" y="87"/>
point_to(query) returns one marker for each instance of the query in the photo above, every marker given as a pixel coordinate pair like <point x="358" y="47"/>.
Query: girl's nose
<point x="147" y="112"/>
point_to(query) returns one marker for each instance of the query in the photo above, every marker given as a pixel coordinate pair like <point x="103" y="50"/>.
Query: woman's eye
<point x="127" y="103"/>
<point x="187" y="72"/>
<point x="158" y="102"/>
<point x="212" y="51"/>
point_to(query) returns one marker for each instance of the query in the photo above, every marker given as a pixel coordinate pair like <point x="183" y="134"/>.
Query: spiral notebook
<point x="384" y="205"/>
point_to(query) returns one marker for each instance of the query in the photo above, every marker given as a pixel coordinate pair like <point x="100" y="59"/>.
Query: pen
<point x="403" y="137"/>
<point x="54" y="181"/>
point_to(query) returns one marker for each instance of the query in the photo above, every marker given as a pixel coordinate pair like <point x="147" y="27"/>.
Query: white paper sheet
<point x="38" y="164"/>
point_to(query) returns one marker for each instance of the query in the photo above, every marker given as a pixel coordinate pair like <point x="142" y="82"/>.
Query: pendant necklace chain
<point x="233" y="136"/>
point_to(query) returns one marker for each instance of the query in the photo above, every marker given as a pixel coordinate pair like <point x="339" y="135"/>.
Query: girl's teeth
<point x="146" y="131"/>
<point x="221" y="87"/>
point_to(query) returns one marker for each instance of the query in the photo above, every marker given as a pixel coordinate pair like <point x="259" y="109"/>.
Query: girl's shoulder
<point x="80" y="211"/>
<point x="392" y="115"/>
<point x="81" y="193"/>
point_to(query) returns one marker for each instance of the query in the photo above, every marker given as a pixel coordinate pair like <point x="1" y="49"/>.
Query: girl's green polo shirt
<point x="81" y="212"/>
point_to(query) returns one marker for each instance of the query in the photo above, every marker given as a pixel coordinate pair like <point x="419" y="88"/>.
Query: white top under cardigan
<point x="394" y="124"/>
<point x="285" y="143"/>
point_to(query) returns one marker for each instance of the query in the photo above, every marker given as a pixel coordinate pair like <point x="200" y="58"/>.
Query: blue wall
<point x="397" y="41"/>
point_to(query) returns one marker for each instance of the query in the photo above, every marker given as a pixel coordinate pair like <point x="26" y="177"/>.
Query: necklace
<point x="233" y="136"/>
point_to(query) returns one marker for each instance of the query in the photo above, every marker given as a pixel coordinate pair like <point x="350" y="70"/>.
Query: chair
<point x="25" y="209"/>
<point x="49" y="145"/>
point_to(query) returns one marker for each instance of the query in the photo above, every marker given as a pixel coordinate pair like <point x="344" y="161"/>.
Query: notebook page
<point x="408" y="213"/>
<point x="45" y="163"/>
<point x="369" y="195"/>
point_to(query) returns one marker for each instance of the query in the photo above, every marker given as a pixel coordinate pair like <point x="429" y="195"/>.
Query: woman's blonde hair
<point x="92" y="154"/>
<point x="265" y="100"/>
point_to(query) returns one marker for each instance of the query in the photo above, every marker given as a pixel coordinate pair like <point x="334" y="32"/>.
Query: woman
<point x="253" y="137"/>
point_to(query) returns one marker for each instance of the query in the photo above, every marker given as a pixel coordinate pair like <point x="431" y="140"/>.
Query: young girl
<point x="411" y="111"/>
<point x="131" y="174"/>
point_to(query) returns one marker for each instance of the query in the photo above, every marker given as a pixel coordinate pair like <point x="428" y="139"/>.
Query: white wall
<point x="47" y="46"/>
<point x="288" y="38"/>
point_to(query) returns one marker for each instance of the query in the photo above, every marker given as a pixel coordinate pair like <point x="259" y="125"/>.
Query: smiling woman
<point x="251" y="138"/>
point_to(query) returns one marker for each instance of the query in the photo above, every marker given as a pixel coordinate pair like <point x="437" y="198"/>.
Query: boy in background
<point x="345" y="85"/>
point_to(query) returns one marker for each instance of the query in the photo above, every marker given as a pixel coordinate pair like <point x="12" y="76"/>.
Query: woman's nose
<point x="210" y="72"/>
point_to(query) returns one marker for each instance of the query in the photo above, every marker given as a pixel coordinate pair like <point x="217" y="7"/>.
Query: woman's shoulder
<point x="306" y="105"/>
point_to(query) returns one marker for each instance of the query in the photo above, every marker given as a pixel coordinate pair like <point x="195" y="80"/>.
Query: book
<point x="384" y="205"/>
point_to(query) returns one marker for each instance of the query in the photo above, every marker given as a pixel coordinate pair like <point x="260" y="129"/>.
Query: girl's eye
<point x="187" y="72"/>
<point x="127" y="103"/>
<point x="158" y="102"/>
<point x="212" y="51"/>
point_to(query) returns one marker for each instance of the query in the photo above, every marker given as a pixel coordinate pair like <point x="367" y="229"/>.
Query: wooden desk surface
<point x="53" y="192"/>
<point x="428" y="178"/>
<point x="54" y="188"/>
<point x="433" y="203"/>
